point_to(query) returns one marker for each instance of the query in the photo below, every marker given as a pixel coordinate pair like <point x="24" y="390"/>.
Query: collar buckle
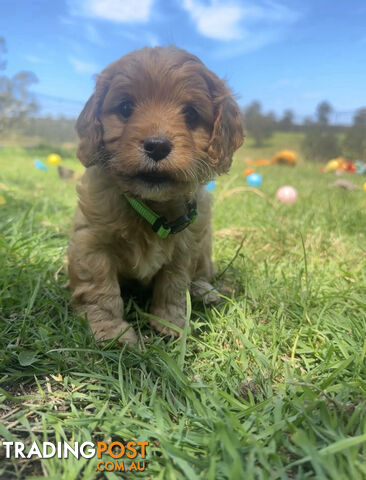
<point x="160" y="225"/>
<point x="163" y="228"/>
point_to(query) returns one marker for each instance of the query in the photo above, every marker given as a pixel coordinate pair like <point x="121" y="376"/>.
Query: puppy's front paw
<point x="205" y="292"/>
<point x="106" y="331"/>
<point x="171" y="313"/>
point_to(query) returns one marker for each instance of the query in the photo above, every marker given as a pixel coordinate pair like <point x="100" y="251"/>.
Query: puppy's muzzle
<point x="157" y="148"/>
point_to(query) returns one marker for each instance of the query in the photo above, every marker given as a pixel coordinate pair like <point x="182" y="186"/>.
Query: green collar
<point x="159" y="224"/>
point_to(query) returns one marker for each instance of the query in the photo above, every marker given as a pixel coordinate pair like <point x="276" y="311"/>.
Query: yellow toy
<point x="338" y="163"/>
<point x="332" y="165"/>
<point x="53" y="159"/>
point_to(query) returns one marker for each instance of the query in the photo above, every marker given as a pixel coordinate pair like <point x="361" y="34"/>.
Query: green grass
<point x="269" y="385"/>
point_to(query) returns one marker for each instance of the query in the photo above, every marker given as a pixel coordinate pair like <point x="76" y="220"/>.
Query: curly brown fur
<point x="111" y="244"/>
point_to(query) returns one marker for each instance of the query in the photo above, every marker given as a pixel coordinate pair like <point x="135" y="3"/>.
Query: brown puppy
<point x="158" y="127"/>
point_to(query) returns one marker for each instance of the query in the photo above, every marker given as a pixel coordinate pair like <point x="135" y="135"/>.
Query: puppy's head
<point x="160" y="122"/>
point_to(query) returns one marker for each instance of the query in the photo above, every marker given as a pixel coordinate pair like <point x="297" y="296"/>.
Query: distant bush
<point x="44" y="149"/>
<point x="320" y="144"/>
<point x="355" y="140"/>
<point x="52" y="130"/>
<point x="259" y="126"/>
<point x="286" y="123"/>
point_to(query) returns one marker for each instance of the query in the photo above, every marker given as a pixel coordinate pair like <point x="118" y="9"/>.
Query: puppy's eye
<point x="126" y="108"/>
<point x="191" y="116"/>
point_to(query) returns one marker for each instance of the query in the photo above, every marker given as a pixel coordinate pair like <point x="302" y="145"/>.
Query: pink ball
<point x="286" y="194"/>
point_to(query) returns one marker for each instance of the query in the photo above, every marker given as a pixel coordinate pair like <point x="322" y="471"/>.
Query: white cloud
<point x="254" y="24"/>
<point x="119" y="11"/>
<point x="220" y="22"/>
<point x="81" y="66"/>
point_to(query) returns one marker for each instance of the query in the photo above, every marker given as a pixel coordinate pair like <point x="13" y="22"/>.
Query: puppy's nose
<point x="157" y="148"/>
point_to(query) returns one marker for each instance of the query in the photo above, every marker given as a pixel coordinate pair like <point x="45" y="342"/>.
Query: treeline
<point x="322" y="139"/>
<point x="50" y="129"/>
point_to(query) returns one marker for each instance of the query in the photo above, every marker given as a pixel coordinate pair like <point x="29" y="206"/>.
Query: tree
<point x="258" y="125"/>
<point x="51" y="130"/>
<point x="323" y="110"/>
<point x="16" y="101"/>
<point x="320" y="142"/>
<point x="320" y="145"/>
<point x="287" y="121"/>
<point x="355" y="140"/>
<point x="360" y="117"/>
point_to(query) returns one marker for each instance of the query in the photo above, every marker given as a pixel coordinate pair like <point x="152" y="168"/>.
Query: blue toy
<point x="361" y="167"/>
<point x="40" y="165"/>
<point x="211" y="186"/>
<point x="254" y="179"/>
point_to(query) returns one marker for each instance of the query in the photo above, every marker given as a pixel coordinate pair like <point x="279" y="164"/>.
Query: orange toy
<point x="342" y="164"/>
<point x="261" y="162"/>
<point x="247" y="171"/>
<point x="285" y="157"/>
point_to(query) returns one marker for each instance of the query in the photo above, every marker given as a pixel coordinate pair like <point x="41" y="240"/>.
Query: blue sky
<point x="286" y="54"/>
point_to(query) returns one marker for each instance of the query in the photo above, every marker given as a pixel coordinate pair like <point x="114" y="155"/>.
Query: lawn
<point x="270" y="384"/>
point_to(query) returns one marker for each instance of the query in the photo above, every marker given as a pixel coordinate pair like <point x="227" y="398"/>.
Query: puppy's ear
<point x="90" y="131"/>
<point x="227" y="133"/>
